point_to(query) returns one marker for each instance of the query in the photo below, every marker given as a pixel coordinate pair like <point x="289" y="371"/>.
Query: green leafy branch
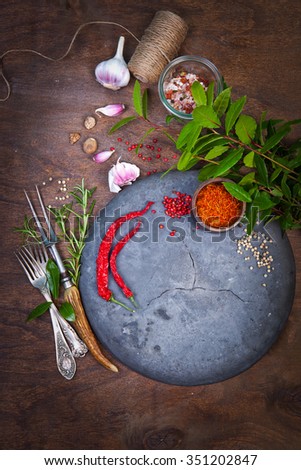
<point x="234" y="145"/>
<point x="140" y="103"/>
<point x="229" y="143"/>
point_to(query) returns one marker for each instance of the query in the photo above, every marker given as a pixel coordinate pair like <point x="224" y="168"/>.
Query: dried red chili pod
<point x="113" y="265"/>
<point x="102" y="262"/>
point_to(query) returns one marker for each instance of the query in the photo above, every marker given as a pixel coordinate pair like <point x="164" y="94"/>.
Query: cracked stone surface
<point x="203" y="315"/>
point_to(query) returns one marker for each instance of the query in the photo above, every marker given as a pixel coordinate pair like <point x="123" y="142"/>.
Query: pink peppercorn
<point x="177" y="206"/>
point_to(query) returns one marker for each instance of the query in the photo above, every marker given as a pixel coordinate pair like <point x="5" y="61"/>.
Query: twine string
<point x="44" y="56"/>
<point x="158" y="46"/>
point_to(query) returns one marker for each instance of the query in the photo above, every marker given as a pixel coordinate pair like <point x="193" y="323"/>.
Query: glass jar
<point x="176" y="79"/>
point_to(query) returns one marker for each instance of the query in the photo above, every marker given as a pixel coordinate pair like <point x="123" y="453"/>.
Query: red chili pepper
<point x="126" y="290"/>
<point x="102" y="262"/>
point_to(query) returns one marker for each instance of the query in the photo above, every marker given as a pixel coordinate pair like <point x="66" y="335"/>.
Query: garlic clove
<point x="103" y="156"/>
<point x="111" y="110"/>
<point x="122" y="174"/>
<point x="114" y="73"/>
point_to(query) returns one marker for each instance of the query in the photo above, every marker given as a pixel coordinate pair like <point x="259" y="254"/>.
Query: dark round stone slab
<point x="204" y="315"/>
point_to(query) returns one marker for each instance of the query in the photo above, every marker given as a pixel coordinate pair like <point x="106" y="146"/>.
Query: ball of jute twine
<point x="158" y="46"/>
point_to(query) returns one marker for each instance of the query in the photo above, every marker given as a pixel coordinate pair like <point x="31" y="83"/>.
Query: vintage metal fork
<point x="39" y="253"/>
<point x="65" y="361"/>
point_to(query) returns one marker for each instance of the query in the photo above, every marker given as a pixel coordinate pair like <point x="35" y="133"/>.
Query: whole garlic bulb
<point x="114" y="73"/>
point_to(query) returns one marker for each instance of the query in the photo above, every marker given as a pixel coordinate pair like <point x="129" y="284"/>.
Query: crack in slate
<point x="195" y="288"/>
<point x="193" y="265"/>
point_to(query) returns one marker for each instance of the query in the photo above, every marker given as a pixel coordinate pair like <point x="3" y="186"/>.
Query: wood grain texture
<point x="256" y="45"/>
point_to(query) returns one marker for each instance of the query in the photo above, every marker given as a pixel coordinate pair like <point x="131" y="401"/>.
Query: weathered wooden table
<point x="256" y="45"/>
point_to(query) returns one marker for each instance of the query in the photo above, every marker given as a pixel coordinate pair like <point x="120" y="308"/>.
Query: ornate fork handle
<point x="77" y="346"/>
<point x="65" y="361"/>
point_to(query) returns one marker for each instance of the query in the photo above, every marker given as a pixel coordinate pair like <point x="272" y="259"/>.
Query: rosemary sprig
<point x="28" y="231"/>
<point x="73" y="221"/>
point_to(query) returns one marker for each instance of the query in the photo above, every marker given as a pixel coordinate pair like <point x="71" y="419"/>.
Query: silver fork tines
<point x="37" y="253"/>
<point x="33" y="270"/>
<point x="64" y="358"/>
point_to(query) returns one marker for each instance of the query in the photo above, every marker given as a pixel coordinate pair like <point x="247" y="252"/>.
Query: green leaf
<point x="206" y="172"/>
<point x="121" y="123"/>
<point x="275" y="174"/>
<point x="210" y="93"/>
<point x="252" y="215"/>
<point x="237" y="191"/>
<point x="297" y="190"/>
<point x="186" y="161"/>
<point x="216" y="152"/>
<point x="276" y="192"/>
<point x="221" y="102"/>
<point x="289" y="123"/>
<point x="188" y="135"/>
<point x="249" y="160"/>
<point x="207" y="142"/>
<point x="262" y="172"/>
<point x="260" y="128"/>
<point x="247" y="179"/>
<point x="146" y="134"/>
<point x="198" y="93"/>
<point x="67" y="311"/>
<point x="285" y="188"/>
<point x="228" y="162"/>
<point x="137" y="100"/>
<point x="263" y="201"/>
<point x="144" y="103"/>
<point x="233" y="112"/>
<point x="286" y="221"/>
<point x="206" y="117"/>
<point x="169" y="118"/>
<point x="245" y="128"/>
<point x="275" y="139"/>
<point x="38" y="311"/>
<point x="53" y="277"/>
